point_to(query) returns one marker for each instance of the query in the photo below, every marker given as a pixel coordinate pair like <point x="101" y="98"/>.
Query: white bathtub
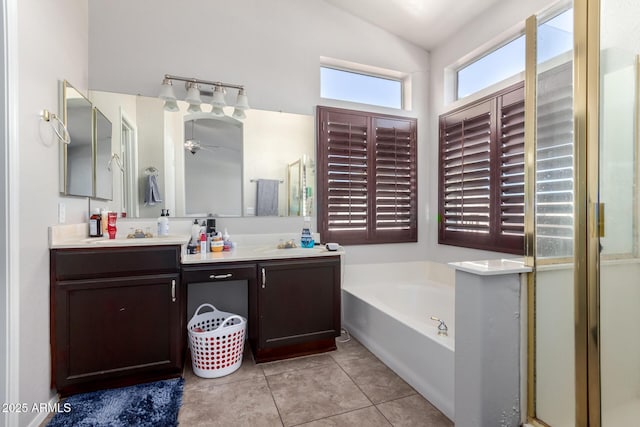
<point x="387" y="307"/>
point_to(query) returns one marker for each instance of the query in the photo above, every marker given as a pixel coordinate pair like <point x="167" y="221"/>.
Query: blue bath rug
<point x="152" y="404"/>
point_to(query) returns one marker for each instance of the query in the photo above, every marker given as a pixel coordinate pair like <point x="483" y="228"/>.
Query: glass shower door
<point x="618" y="193"/>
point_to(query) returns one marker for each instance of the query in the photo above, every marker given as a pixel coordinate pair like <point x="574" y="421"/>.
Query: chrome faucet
<point x="442" y="327"/>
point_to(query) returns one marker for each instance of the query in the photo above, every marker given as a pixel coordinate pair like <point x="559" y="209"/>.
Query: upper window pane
<point x="500" y="64"/>
<point x="362" y="88"/>
<point x="555" y="36"/>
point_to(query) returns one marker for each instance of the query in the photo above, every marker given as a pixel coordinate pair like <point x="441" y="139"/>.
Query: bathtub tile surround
<point x="489" y="360"/>
<point x="310" y="391"/>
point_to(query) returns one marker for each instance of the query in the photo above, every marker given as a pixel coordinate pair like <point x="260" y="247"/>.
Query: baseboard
<point x="43" y="415"/>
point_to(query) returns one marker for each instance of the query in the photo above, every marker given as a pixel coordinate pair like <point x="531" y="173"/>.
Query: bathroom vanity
<point x="118" y="309"/>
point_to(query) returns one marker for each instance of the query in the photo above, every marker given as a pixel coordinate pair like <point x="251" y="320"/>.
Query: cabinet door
<point x="110" y="328"/>
<point x="298" y="302"/>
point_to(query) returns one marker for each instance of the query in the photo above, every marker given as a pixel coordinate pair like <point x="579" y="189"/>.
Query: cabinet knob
<point x="264" y="278"/>
<point x="173" y="291"/>
<point x="221" y="276"/>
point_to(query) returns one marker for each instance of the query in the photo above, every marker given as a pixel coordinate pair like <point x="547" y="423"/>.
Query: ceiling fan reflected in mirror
<point x="193" y="146"/>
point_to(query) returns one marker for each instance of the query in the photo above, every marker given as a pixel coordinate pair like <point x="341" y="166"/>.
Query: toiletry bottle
<point x="162" y="225"/>
<point x="166" y="223"/>
<point x="105" y="220"/>
<point x="306" y="240"/>
<point x="95" y="224"/>
<point x="203" y="243"/>
<point x="195" y="232"/>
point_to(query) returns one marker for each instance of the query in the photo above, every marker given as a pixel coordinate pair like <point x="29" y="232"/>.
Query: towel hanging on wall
<point x="152" y="191"/>
<point x="267" y="197"/>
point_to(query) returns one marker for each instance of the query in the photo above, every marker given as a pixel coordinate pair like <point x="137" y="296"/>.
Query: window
<point x="362" y="88"/>
<point x="555" y="37"/>
<point x="367" y="177"/>
<point x="481" y="188"/>
<point x="498" y="65"/>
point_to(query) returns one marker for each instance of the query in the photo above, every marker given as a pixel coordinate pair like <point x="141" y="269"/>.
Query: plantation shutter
<point x="481" y="190"/>
<point x="367" y="182"/>
<point x="554" y="162"/>
<point x="465" y="159"/>
<point x="395" y="177"/>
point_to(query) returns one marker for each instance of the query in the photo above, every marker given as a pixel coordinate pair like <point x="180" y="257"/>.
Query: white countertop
<point x="257" y="253"/>
<point x="492" y="267"/>
<point x="105" y="242"/>
<point x="248" y="247"/>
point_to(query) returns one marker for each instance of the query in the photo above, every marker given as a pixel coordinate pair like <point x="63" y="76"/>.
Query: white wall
<point x="271" y="47"/>
<point x="52" y="45"/>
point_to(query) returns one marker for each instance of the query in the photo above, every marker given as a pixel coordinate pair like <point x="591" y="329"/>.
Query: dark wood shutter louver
<point x="367" y="181"/>
<point x="512" y="164"/>
<point x="466" y="160"/>
<point x="481" y="190"/>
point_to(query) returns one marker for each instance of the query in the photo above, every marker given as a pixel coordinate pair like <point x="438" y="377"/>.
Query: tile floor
<point x="347" y="387"/>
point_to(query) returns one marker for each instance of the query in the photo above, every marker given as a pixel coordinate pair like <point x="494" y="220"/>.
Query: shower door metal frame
<point x="586" y="259"/>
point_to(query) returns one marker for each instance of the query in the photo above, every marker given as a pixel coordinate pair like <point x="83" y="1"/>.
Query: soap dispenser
<point x="163" y="224"/>
<point x="306" y="239"/>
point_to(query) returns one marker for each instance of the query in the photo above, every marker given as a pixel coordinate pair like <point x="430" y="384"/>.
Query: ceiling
<point x="426" y="23"/>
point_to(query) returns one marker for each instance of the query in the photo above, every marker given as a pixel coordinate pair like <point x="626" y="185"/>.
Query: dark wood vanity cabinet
<point x="116" y="316"/>
<point x="298" y="307"/>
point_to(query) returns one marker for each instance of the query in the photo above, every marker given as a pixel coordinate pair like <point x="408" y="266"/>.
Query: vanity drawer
<point x="71" y="264"/>
<point x="218" y="273"/>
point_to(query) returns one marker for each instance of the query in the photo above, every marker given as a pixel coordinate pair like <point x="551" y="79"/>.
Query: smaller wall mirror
<point x="77" y="156"/>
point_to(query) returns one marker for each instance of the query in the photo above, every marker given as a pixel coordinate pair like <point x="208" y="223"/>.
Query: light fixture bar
<point x="204" y="82"/>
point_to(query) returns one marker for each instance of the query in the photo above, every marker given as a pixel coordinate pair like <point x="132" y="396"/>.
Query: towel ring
<point x="115" y="159"/>
<point x="51" y="118"/>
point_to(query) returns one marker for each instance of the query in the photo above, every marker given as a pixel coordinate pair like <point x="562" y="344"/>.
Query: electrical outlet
<point x="62" y="213"/>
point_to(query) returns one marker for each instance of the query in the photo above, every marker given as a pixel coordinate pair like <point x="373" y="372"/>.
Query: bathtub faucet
<point x="442" y="327"/>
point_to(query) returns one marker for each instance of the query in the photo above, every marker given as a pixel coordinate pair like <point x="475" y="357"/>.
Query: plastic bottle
<point x="95" y="224"/>
<point x="163" y="225"/>
<point x="203" y="243"/>
<point x="195" y="232"/>
<point x="306" y="239"/>
<point x="105" y="220"/>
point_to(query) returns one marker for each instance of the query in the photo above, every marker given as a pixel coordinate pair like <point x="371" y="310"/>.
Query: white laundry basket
<point x="216" y="339"/>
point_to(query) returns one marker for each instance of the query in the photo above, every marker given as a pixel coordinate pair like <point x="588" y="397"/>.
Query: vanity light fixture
<point x="194" y="91"/>
<point x="169" y="97"/>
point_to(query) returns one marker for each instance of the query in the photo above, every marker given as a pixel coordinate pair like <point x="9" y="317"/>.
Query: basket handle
<point x="204" y="305"/>
<point x="235" y="316"/>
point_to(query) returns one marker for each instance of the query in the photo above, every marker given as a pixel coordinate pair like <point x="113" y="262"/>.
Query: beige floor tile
<point x="244" y="403"/>
<point x="366" y="417"/>
<point x="351" y="349"/>
<point x="376" y="380"/>
<point x="247" y="370"/>
<point x="313" y="393"/>
<point x="274" y="368"/>
<point x="413" y="411"/>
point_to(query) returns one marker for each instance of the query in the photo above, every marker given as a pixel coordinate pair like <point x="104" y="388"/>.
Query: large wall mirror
<point x="86" y="159"/>
<point x="202" y="165"/>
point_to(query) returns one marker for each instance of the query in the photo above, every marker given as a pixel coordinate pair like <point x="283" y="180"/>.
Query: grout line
<point x="273" y="399"/>
<point x="336" y="415"/>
